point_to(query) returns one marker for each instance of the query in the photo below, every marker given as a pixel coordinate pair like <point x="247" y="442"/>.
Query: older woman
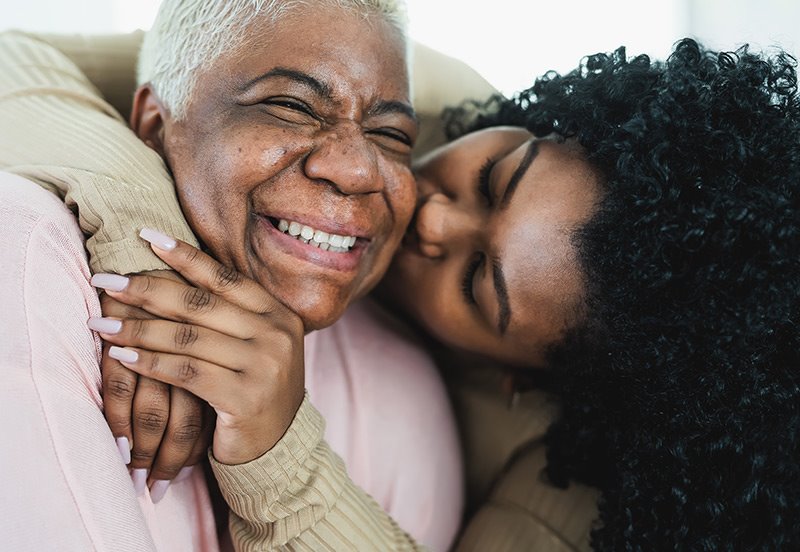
<point x="218" y="107"/>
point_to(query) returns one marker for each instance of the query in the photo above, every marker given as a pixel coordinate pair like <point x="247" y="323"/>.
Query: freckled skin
<point x="242" y="155"/>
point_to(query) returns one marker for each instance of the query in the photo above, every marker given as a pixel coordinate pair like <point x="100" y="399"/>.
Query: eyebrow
<point x="524" y="165"/>
<point x="319" y="87"/>
<point x="384" y="107"/>
<point x="500" y="289"/>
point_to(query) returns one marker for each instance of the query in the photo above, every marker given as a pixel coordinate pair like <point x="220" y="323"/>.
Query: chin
<point x="317" y="314"/>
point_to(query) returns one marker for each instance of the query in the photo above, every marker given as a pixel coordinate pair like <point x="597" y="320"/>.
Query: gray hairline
<point x="176" y="98"/>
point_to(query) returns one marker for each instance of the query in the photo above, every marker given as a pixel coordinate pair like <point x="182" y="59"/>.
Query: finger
<point x="215" y="384"/>
<point x="165" y="336"/>
<point x="182" y="303"/>
<point x="112" y="308"/>
<point x="200" y="450"/>
<point x="183" y="431"/>
<point x="151" y="406"/>
<point x="119" y="385"/>
<point x="205" y="272"/>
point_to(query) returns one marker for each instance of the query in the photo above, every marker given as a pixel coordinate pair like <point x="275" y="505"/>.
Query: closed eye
<point x="289" y="110"/>
<point x="394" y="134"/>
<point x="484" y="181"/>
<point x="467" y="282"/>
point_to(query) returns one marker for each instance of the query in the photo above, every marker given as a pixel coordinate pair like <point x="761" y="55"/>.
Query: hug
<point x="622" y="238"/>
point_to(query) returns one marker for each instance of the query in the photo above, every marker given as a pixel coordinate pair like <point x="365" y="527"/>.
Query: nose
<point x="346" y="160"/>
<point x="443" y="226"/>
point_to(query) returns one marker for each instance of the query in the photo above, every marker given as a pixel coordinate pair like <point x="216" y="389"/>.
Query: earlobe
<point x="148" y="117"/>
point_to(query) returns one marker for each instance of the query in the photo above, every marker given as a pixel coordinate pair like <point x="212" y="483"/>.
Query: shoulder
<point x="30" y="205"/>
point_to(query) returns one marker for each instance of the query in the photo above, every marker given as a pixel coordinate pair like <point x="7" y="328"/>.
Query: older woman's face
<point x="489" y="265"/>
<point x="292" y="163"/>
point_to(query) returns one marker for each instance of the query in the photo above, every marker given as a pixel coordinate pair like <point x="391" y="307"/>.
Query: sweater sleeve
<point x="298" y="495"/>
<point x="56" y="130"/>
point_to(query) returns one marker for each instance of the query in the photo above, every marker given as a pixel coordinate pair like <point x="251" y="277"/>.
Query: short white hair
<point x="189" y="35"/>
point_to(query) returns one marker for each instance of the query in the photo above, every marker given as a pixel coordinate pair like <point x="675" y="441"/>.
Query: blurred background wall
<point x="508" y="41"/>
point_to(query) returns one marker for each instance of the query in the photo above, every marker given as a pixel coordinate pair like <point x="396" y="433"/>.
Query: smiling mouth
<point x="334" y="243"/>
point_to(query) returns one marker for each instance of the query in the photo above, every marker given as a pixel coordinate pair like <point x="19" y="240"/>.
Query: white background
<point x="508" y="41"/>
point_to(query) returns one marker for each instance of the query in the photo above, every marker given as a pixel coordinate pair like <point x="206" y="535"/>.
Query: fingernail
<point x="184" y="474"/>
<point x="158" y="490"/>
<point x="123" y="355"/>
<point x="139" y="477"/>
<point x="104" y="325"/>
<point x="162" y="241"/>
<point x="111" y="282"/>
<point x="124" y="447"/>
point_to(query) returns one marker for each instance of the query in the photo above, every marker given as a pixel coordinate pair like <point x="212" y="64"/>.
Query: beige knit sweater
<point x="56" y="129"/>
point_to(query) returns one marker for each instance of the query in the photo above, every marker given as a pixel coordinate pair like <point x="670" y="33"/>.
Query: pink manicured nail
<point x="111" y="282"/>
<point x="123" y="355"/>
<point x="104" y="325"/>
<point x="162" y="241"/>
<point x="124" y="447"/>
<point x="139" y="477"/>
<point x="158" y="490"/>
<point x="184" y="474"/>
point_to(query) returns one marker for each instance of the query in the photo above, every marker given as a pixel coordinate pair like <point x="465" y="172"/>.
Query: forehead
<point x="348" y="51"/>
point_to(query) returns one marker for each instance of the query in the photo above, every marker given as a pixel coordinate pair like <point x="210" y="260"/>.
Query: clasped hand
<point x="219" y="336"/>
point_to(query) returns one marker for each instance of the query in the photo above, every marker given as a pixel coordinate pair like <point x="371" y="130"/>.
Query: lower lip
<point x="342" y="262"/>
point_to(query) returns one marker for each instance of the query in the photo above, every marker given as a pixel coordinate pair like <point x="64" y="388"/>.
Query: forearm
<point x="299" y="494"/>
<point x="57" y="131"/>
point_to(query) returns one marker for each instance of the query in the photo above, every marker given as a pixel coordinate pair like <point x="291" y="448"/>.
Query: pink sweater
<point x="65" y="486"/>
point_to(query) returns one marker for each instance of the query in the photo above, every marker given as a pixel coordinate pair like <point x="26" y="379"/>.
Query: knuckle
<point x="186" y="335"/>
<point x="137" y="329"/>
<point x="151" y="420"/>
<point x="142" y="457"/>
<point x="187" y="371"/>
<point x="192" y="255"/>
<point x="144" y="283"/>
<point x="119" y="388"/>
<point x="226" y="278"/>
<point x="186" y="434"/>
<point x="196" y="299"/>
<point x="154" y="363"/>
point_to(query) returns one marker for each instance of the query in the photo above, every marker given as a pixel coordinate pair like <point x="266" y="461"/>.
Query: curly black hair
<point x="681" y="386"/>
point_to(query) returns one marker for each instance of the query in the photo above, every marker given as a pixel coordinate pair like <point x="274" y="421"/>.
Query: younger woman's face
<point x="488" y="264"/>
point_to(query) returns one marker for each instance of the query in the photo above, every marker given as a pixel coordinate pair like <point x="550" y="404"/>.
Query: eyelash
<point x="469" y="276"/>
<point x="483" y="179"/>
<point x="394" y="135"/>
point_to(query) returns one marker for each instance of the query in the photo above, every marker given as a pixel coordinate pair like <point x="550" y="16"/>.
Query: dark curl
<point x="681" y="387"/>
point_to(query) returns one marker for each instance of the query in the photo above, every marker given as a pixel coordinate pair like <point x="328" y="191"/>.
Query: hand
<point x="223" y="338"/>
<point x="161" y="429"/>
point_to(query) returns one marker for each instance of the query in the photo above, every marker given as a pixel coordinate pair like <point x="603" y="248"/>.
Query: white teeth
<point x="317" y="238"/>
<point x="307" y="233"/>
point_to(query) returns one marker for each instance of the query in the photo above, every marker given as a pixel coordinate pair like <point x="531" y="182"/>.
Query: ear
<point x="148" y="117"/>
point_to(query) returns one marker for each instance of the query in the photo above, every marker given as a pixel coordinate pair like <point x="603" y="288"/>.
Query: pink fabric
<point x="64" y="484"/>
<point x="388" y="416"/>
